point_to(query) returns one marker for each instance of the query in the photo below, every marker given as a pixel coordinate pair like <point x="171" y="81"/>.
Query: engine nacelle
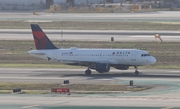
<point x="102" y="67"/>
<point x="122" y="67"/>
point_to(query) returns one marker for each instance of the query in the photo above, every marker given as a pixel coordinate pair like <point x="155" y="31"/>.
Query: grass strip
<point x="94" y="25"/>
<point x="38" y="88"/>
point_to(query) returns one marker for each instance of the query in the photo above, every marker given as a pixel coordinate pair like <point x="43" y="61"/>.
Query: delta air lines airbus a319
<point x="98" y="59"/>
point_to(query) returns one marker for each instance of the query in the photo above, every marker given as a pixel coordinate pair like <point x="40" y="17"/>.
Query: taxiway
<point x="165" y="93"/>
<point x="84" y="35"/>
<point x="160" y="16"/>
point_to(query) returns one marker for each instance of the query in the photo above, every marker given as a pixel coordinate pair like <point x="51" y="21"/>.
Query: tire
<point x="88" y="72"/>
<point x="136" y="72"/>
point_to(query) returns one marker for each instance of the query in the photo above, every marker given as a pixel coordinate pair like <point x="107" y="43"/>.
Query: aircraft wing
<point x="84" y="62"/>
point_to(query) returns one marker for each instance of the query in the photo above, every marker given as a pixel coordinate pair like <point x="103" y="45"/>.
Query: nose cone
<point x="153" y="60"/>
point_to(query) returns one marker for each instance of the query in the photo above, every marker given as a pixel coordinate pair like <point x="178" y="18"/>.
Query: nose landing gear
<point x="136" y="70"/>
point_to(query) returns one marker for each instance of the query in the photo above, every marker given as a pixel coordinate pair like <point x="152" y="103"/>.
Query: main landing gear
<point x="88" y="72"/>
<point x="136" y="70"/>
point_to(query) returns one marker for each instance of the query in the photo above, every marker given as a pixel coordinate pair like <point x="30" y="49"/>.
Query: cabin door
<point x="133" y="56"/>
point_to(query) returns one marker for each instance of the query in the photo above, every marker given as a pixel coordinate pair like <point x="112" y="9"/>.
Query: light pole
<point x="104" y="3"/>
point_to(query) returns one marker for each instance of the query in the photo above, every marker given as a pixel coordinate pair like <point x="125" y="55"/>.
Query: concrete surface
<point x="161" y="16"/>
<point x="77" y="35"/>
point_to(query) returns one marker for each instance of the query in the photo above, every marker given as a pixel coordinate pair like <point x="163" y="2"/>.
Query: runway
<point x="54" y="102"/>
<point x="84" y="35"/>
<point x="165" y="92"/>
<point x="77" y="75"/>
<point x="160" y="16"/>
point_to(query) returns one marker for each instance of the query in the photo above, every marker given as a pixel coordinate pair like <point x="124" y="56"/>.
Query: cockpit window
<point x="143" y="55"/>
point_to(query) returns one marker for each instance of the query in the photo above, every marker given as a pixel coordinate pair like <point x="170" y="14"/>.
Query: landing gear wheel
<point x="88" y="72"/>
<point x="136" y="72"/>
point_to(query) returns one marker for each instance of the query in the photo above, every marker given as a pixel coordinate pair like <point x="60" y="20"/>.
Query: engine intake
<point x="102" y="67"/>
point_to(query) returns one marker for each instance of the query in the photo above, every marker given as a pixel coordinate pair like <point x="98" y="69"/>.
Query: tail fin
<point x="40" y="39"/>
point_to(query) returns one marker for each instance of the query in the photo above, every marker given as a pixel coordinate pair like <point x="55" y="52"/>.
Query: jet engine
<point x="122" y="67"/>
<point x="102" y="67"/>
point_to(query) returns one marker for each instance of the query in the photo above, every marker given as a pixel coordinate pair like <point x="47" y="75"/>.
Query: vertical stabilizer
<point x="40" y="39"/>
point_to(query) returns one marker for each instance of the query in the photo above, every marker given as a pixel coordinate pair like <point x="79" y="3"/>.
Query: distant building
<point x="21" y="4"/>
<point x="45" y="4"/>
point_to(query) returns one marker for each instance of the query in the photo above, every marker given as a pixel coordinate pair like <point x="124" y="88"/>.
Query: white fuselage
<point x="131" y="57"/>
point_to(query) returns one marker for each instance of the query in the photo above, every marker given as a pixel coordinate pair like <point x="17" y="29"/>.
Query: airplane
<point x="100" y="60"/>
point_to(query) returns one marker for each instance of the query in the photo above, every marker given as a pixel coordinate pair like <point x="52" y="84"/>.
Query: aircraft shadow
<point x="109" y="75"/>
<point x="97" y="76"/>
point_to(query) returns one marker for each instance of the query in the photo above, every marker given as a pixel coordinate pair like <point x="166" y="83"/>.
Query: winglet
<point x="40" y="39"/>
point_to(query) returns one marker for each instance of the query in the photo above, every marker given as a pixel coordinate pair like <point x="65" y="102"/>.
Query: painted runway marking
<point x="175" y="71"/>
<point x="167" y="108"/>
<point x="36" y="78"/>
<point x="30" y="106"/>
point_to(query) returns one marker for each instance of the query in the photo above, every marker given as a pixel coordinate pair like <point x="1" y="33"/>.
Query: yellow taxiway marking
<point x="166" y="107"/>
<point x="30" y="106"/>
